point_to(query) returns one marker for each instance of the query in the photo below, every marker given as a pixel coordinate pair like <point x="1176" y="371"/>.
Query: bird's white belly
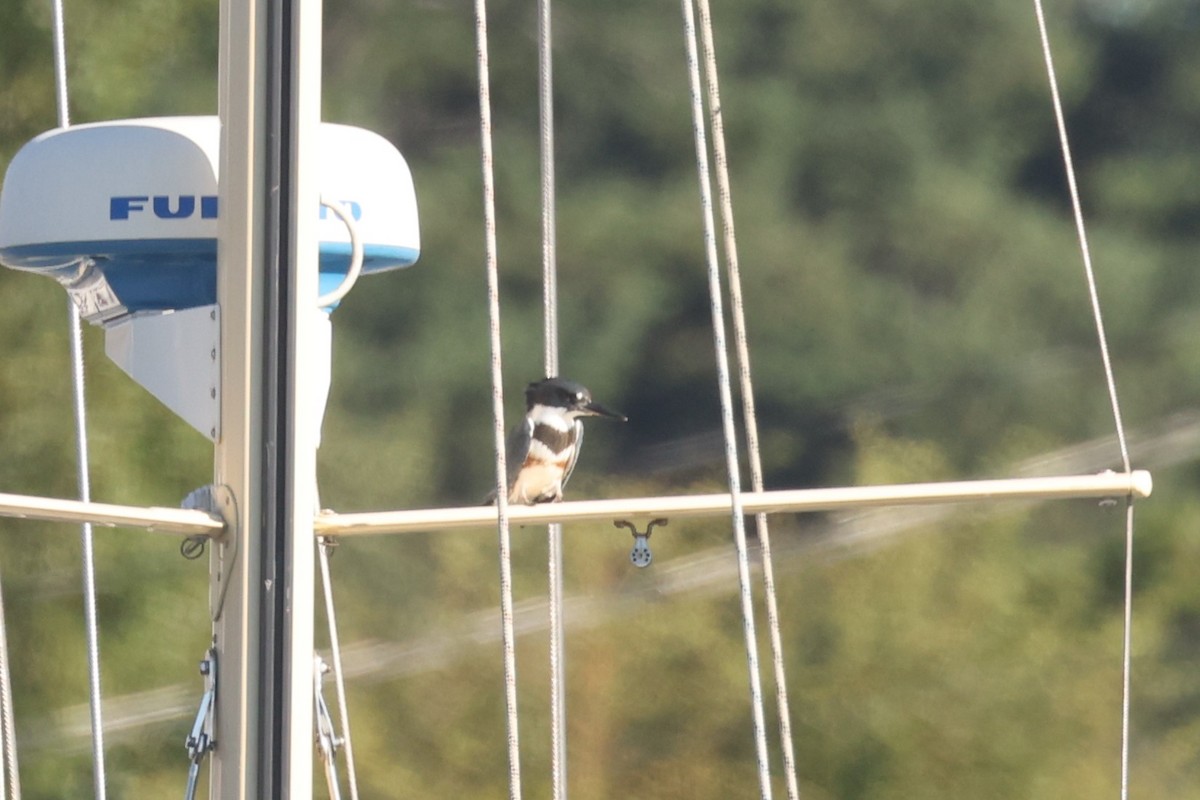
<point x="536" y="481"/>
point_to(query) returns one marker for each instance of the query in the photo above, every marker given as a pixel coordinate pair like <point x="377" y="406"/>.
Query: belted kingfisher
<point x="543" y="449"/>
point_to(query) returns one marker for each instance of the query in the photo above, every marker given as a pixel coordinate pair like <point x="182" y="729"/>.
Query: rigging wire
<point x="722" y="358"/>
<point x="497" y="375"/>
<point x="749" y="415"/>
<point x="1110" y="381"/>
<point x="1081" y="230"/>
<point x="554" y="531"/>
<point x="324" y="545"/>
<point x="88" y="556"/>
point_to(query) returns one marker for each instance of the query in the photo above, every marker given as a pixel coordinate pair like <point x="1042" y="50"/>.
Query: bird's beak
<point x="597" y="410"/>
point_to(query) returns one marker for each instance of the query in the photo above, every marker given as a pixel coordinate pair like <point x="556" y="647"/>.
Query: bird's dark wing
<point x="574" y="452"/>
<point x="515" y="450"/>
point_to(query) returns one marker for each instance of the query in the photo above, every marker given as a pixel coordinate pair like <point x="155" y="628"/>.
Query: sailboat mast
<point x="265" y="463"/>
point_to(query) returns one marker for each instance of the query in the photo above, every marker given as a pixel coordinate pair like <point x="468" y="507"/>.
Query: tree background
<point x="917" y="311"/>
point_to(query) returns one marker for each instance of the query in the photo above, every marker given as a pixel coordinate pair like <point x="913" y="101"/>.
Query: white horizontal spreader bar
<point x="163" y="520"/>
<point x="1104" y="485"/>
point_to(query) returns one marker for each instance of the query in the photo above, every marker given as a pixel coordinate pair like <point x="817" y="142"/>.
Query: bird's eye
<point x="579" y="398"/>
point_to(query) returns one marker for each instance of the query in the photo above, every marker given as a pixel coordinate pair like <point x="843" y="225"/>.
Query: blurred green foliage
<point x="917" y="311"/>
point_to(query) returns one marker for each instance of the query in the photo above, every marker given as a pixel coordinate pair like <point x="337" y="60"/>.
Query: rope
<point x="731" y="456"/>
<point x="88" y="557"/>
<point x="60" y="65"/>
<point x="554" y="532"/>
<point x="9" y="775"/>
<point x="749" y="415"/>
<point x="493" y="288"/>
<point x="549" y="235"/>
<point x="324" y="545"/>
<point x="1110" y="381"/>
